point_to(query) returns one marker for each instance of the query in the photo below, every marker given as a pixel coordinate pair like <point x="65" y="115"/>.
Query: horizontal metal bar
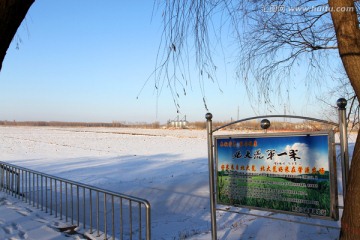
<point x="276" y="116"/>
<point x="277" y="218"/>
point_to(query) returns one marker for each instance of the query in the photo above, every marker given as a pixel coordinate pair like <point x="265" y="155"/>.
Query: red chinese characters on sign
<point x="232" y="143"/>
<point x="274" y="169"/>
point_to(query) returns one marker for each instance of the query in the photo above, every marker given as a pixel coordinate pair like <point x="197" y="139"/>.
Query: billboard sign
<point x="291" y="173"/>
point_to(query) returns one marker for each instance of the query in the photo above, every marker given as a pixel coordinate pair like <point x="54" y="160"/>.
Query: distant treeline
<point x="275" y="125"/>
<point x="248" y="125"/>
<point x="78" y="124"/>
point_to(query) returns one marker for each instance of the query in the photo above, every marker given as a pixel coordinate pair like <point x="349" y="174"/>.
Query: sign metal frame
<point x="344" y="154"/>
<point x="239" y="182"/>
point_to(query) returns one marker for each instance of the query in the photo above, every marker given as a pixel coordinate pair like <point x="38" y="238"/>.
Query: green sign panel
<point x="290" y="173"/>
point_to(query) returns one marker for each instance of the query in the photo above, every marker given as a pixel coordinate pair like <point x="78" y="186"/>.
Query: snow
<point x="19" y="221"/>
<point x="167" y="167"/>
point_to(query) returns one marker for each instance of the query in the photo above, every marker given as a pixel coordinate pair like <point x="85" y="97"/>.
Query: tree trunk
<point x="350" y="222"/>
<point x="12" y="13"/>
<point x="348" y="37"/>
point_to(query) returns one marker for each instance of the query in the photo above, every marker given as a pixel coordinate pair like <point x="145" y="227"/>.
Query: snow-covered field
<point x="167" y="167"/>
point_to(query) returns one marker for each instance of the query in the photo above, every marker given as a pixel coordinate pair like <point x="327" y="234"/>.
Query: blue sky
<point x="88" y="60"/>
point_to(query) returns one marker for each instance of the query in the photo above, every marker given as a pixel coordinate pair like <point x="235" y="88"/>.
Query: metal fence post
<point x="208" y="117"/>
<point x="341" y="103"/>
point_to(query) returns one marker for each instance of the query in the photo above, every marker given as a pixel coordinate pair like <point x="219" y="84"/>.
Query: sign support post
<point x="341" y="103"/>
<point x="211" y="164"/>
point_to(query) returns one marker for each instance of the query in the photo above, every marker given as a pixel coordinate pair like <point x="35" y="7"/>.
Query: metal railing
<point x="101" y="213"/>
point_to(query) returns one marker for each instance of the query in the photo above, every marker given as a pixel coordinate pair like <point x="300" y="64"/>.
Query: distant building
<point x="178" y="123"/>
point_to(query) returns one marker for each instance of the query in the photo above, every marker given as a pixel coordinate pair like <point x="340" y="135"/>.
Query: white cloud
<point x="307" y="156"/>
